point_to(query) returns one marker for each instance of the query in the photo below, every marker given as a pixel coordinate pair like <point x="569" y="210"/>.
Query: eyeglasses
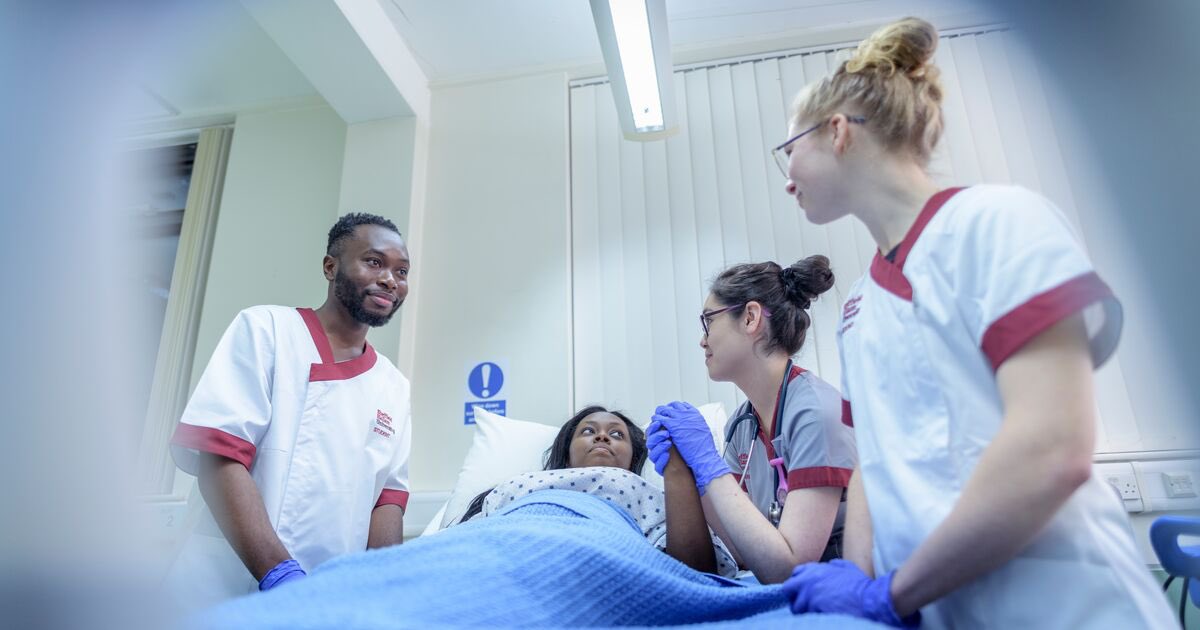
<point x="781" y="156"/>
<point x="706" y="317"/>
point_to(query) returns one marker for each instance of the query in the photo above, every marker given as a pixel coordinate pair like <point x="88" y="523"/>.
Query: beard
<point x="352" y="298"/>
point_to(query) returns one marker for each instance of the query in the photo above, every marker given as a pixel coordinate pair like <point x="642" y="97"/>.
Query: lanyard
<point x="776" y="510"/>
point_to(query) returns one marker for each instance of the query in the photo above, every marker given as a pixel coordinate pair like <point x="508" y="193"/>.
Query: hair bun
<point x="905" y="46"/>
<point x="807" y="279"/>
<point x="792" y="288"/>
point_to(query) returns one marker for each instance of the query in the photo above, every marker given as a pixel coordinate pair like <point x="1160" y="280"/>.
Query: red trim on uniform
<point x="393" y="497"/>
<point x="889" y="274"/>
<point x="327" y="370"/>
<point x="344" y="370"/>
<point x="847" y="415"/>
<point x="767" y="444"/>
<point x="214" y="441"/>
<point x="819" y="477"/>
<point x="792" y="374"/>
<point x="1017" y="327"/>
<point x="768" y="447"/>
<point x="931" y="208"/>
<point x="318" y="334"/>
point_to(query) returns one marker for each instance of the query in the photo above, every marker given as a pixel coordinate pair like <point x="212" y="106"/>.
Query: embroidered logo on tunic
<point x="383" y="424"/>
<point x="742" y="459"/>
<point x="849" y="310"/>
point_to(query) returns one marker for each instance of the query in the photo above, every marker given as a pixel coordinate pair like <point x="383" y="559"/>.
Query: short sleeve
<point x="395" y="488"/>
<point x="1020" y="270"/>
<point x="230" y="410"/>
<point x="820" y="449"/>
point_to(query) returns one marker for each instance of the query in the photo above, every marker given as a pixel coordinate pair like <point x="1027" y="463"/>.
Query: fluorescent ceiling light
<point x="632" y="30"/>
<point x="637" y="54"/>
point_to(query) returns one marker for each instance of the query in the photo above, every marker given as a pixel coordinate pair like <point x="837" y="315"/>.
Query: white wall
<point x="493" y="282"/>
<point x="281" y="197"/>
<point x="377" y="178"/>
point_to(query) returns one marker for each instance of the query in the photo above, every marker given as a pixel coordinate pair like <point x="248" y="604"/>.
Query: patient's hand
<point x="658" y="442"/>
<point x="688" y="539"/>
<point x="675" y="463"/>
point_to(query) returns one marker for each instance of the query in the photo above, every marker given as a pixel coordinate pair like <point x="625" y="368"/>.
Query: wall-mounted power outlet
<point x="1126" y="485"/>
<point x="1124" y="481"/>
<point x="1179" y="485"/>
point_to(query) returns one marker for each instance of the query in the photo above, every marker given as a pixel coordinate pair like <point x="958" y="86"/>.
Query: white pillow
<point x="504" y="448"/>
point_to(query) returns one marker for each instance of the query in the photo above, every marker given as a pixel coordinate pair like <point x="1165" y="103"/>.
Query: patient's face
<point x="601" y="439"/>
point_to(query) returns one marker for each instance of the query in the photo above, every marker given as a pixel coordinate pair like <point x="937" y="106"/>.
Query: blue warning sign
<point x="498" y="407"/>
<point x="485" y="380"/>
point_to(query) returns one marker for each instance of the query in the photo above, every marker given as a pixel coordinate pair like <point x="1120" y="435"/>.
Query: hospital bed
<point x="565" y="559"/>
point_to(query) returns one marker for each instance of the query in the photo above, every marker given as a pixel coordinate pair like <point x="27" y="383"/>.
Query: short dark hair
<point x="785" y="292"/>
<point x="558" y="456"/>
<point x="345" y="227"/>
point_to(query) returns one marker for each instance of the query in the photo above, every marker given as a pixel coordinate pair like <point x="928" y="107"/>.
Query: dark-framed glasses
<point x="706" y="317"/>
<point x="781" y="156"/>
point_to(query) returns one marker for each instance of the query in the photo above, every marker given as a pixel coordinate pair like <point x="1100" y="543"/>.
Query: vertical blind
<point x="654" y="222"/>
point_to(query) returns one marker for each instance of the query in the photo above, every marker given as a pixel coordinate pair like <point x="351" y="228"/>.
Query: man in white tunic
<point x="298" y="431"/>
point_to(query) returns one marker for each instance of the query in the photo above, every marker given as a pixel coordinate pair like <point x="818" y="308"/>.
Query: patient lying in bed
<point x="551" y="559"/>
<point x="544" y="556"/>
<point x="598" y="452"/>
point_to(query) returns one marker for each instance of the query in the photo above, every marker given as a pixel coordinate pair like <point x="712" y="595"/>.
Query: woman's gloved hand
<point x="285" y="571"/>
<point x="839" y="586"/>
<point x="690" y="435"/>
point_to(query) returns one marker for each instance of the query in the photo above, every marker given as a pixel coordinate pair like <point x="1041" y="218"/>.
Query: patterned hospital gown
<point x="620" y="487"/>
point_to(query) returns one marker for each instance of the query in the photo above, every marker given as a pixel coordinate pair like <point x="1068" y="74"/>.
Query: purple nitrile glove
<point x="692" y="438"/>
<point x="839" y="586"/>
<point x="285" y="571"/>
<point x="658" y="442"/>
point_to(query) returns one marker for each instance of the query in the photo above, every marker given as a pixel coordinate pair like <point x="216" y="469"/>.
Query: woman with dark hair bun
<point x="776" y="495"/>
<point x="601" y="452"/>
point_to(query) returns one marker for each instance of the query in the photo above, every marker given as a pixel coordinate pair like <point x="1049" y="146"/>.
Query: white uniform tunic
<point x="324" y="442"/>
<point x="817" y="448"/>
<point x="982" y="271"/>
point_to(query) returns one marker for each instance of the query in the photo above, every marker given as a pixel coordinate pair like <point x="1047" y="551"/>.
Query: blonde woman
<point x="967" y="357"/>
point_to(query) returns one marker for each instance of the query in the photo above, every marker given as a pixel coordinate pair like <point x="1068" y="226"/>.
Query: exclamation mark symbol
<point x="485" y="373"/>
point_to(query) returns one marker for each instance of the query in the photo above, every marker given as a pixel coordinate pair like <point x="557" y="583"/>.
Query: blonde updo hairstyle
<point x="891" y="82"/>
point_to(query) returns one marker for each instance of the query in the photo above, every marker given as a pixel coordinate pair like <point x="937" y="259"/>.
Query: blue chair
<point x="1176" y="560"/>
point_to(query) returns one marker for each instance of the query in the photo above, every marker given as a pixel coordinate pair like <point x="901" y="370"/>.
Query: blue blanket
<point x="553" y="559"/>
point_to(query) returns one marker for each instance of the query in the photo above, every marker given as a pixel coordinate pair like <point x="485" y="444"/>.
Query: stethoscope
<point x="775" y="512"/>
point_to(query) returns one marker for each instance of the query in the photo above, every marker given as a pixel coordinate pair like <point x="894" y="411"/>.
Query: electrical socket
<point x="1126" y="485"/>
<point x="1179" y="485"/>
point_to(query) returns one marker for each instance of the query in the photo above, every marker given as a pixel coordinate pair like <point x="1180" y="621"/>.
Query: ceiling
<point x="463" y="40"/>
<point x="216" y="58"/>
